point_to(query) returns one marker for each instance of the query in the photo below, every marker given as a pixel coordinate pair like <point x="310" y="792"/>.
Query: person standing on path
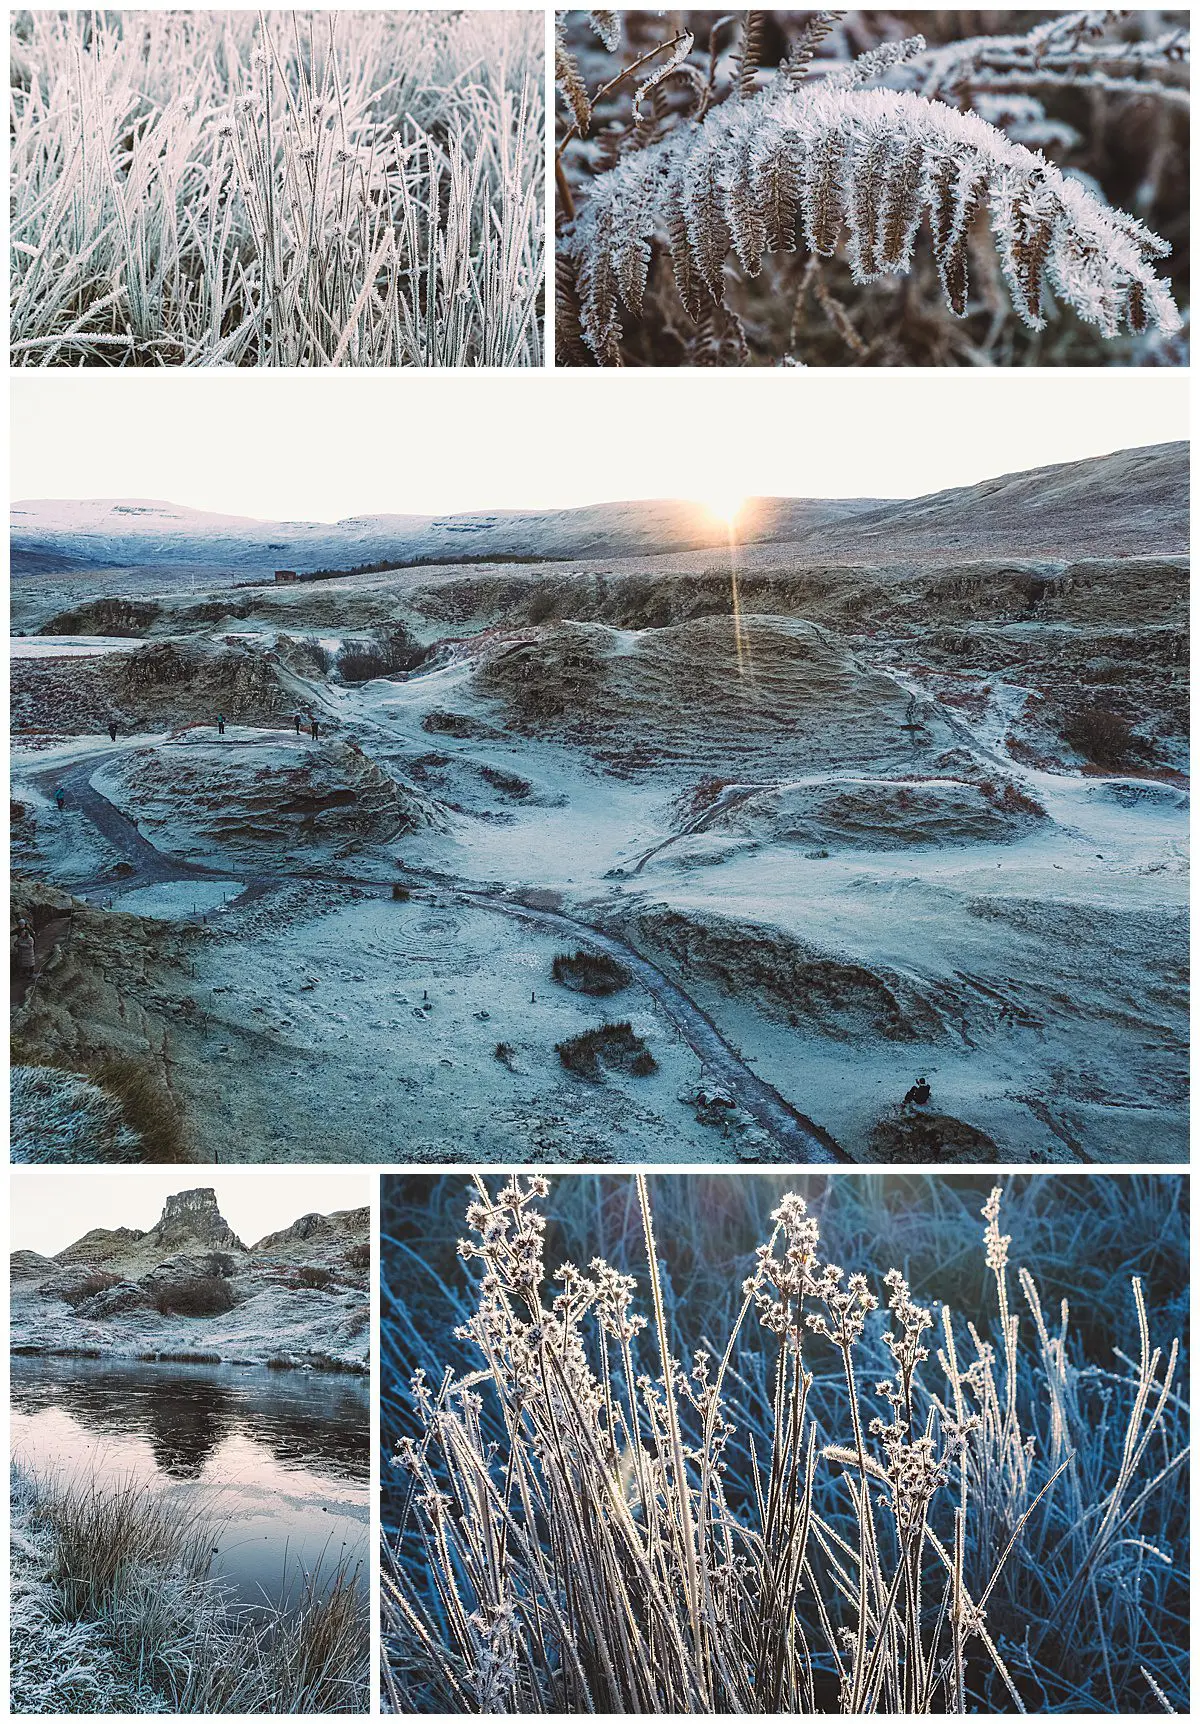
<point x="299" y="724"/>
<point x="316" y="729"/>
<point x="220" y="724"/>
<point x="26" y="954"/>
<point x="60" y="797"/>
<point x="112" y="730"/>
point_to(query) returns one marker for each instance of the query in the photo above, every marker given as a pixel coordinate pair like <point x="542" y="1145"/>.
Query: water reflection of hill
<point x="187" y="1411"/>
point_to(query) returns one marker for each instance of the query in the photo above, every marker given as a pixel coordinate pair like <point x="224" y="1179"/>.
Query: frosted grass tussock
<point x="58" y="1117"/>
<point x="919" y="1516"/>
<point x="115" y="1610"/>
<point x="232" y="188"/>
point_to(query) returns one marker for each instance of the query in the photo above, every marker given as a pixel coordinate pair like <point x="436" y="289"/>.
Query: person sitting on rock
<point x="919" y="1094"/>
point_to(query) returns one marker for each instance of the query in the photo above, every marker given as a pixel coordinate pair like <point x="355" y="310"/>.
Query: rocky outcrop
<point x="335" y="1233"/>
<point x="193" y="1218"/>
<point x="111" y="1301"/>
<point x="202" y="797"/>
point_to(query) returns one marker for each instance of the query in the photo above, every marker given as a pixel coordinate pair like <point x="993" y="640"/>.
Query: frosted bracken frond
<point x="1066" y="51"/>
<point x="570" y="79"/>
<point x="864" y="167"/>
<point x="608" y="27"/>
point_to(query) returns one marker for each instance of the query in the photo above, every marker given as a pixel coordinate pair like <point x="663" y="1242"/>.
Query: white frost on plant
<point x="868" y="165"/>
<point x="57" y="1117"/>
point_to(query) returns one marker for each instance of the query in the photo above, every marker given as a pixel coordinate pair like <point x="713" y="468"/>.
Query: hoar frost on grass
<point x="233" y="188"/>
<point x="923" y="1515"/>
<point x="114" y="1611"/>
<point x="57" y="1666"/>
<point x="57" y="1117"/>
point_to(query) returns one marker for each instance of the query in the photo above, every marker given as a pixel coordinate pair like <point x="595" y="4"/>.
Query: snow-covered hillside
<point x="1132" y="501"/>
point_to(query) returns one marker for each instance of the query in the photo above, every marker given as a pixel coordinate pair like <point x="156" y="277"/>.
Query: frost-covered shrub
<point x="589" y="972"/>
<point x="1101" y="736"/>
<point x="615" y="1046"/>
<point x="99" y="1282"/>
<point x="664" y="221"/>
<point x="58" y="1117"/>
<point x="198" y="1296"/>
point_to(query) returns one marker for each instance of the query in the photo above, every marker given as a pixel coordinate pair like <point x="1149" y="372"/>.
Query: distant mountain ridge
<point x="1134" y="500"/>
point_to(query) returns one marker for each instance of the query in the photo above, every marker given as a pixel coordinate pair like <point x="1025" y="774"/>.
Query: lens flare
<point x="726" y="506"/>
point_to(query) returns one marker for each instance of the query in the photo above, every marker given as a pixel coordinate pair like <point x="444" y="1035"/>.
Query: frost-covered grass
<point x="972" y="1502"/>
<point x="114" y="1610"/>
<point x="58" y="1117"/>
<point x="236" y="188"/>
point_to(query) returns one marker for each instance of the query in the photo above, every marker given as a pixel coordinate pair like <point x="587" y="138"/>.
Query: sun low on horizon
<point x="725" y="506"/>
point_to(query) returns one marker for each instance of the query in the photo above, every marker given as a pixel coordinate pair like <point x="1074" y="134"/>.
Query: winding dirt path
<point x="798" y="1137"/>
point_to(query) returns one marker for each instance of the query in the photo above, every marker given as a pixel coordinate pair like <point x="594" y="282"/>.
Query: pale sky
<point x="323" y="445"/>
<point x="53" y="1207"/>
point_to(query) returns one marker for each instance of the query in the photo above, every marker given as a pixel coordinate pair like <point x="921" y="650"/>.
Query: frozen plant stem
<point x="580" y="1539"/>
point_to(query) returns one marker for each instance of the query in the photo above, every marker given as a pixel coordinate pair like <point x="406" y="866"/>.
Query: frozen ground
<point x="838" y="840"/>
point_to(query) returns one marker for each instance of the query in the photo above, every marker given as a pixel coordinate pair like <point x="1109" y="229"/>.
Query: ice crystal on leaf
<point x="839" y="164"/>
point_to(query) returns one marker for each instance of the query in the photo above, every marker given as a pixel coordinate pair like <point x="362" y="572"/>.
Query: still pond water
<point x="279" y="1458"/>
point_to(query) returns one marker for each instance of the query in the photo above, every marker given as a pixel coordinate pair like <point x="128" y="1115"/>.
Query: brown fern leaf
<point x="868" y="179"/>
<point x="681" y="251"/>
<point x="570" y="80"/>
<point x="900" y="208"/>
<point x="630" y="245"/>
<point x="596" y="283"/>
<point x="751" y="55"/>
<point x="610" y="143"/>
<point x="941" y="177"/>
<point x="719" y="338"/>
<point x="570" y="348"/>
<point x="709" y="236"/>
<point x="824" y="196"/>
<point x="744" y="207"/>
<point x="607" y="26"/>
<point x="1135" y="308"/>
<point x="781" y="181"/>
<point x="799" y="59"/>
<point x="1025" y="237"/>
<point x="959" y="201"/>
